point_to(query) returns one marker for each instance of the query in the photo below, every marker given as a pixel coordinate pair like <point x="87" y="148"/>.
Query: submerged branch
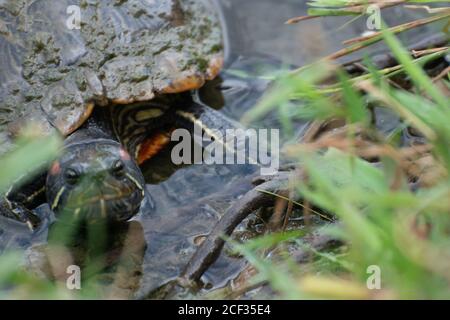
<point x="210" y="249"/>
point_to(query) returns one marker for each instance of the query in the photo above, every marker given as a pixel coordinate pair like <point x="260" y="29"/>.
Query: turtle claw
<point x="26" y="216"/>
<point x="280" y="176"/>
<point x="30" y="225"/>
<point x="15" y="211"/>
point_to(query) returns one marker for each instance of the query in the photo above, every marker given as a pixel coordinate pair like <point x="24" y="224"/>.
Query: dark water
<point x="256" y="27"/>
<point x="188" y="202"/>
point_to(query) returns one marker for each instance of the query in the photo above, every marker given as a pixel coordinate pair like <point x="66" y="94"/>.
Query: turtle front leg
<point x="16" y="211"/>
<point x="18" y="201"/>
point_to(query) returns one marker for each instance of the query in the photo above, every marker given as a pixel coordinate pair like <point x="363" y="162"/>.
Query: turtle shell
<point x="59" y="58"/>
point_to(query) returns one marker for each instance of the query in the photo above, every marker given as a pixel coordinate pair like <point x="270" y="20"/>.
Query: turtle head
<point x="95" y="180"/>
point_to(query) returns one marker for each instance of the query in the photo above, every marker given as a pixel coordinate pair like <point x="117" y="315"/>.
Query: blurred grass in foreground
<point x="42" y="271"/>
<point x="32" y="153"/>
<point x="384" y="223"/>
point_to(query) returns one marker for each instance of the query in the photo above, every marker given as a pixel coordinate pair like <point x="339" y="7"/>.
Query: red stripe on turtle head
<point x="55" y="169"/>
<point x="125" y="156"/>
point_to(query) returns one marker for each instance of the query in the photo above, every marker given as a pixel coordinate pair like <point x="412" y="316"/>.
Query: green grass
<point x="32" y="153"/>
<point x="406" y="234"/>
<point x="29" y="156"/>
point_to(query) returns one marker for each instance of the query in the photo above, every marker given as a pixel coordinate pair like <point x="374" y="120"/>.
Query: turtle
<point x="105" y="74"/>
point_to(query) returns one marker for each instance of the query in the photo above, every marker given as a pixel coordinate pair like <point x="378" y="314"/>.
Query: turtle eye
<point x="71" y="176"/>
<point x="118" y="169"/>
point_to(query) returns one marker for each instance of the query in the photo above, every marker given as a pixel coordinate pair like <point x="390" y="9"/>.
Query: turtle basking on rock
<point x="135" y="61"/>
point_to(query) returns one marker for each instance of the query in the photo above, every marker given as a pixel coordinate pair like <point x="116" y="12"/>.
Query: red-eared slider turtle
<point x="60" y="58"/>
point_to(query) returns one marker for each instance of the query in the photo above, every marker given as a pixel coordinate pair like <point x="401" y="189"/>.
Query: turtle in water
<point x="135" y="61"/>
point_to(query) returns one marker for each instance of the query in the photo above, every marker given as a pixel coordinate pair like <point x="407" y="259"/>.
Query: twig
<point x="350" y="9"/>
<point x="362" y="42"/>
<point x="382" y="61"/>
<point x="444" y="72"/>
<point x="210" y="249"/>
<point x="397" y="29"/>
<point x="421" y="53"/>
<point x="301" y="18"/>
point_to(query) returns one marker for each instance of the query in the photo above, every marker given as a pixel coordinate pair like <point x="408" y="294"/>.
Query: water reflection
<point x="256" y="28"/>
<point x="185" y="212"/>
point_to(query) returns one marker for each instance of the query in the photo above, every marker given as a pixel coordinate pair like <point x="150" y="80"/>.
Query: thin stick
<point x="210" y="249"/>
